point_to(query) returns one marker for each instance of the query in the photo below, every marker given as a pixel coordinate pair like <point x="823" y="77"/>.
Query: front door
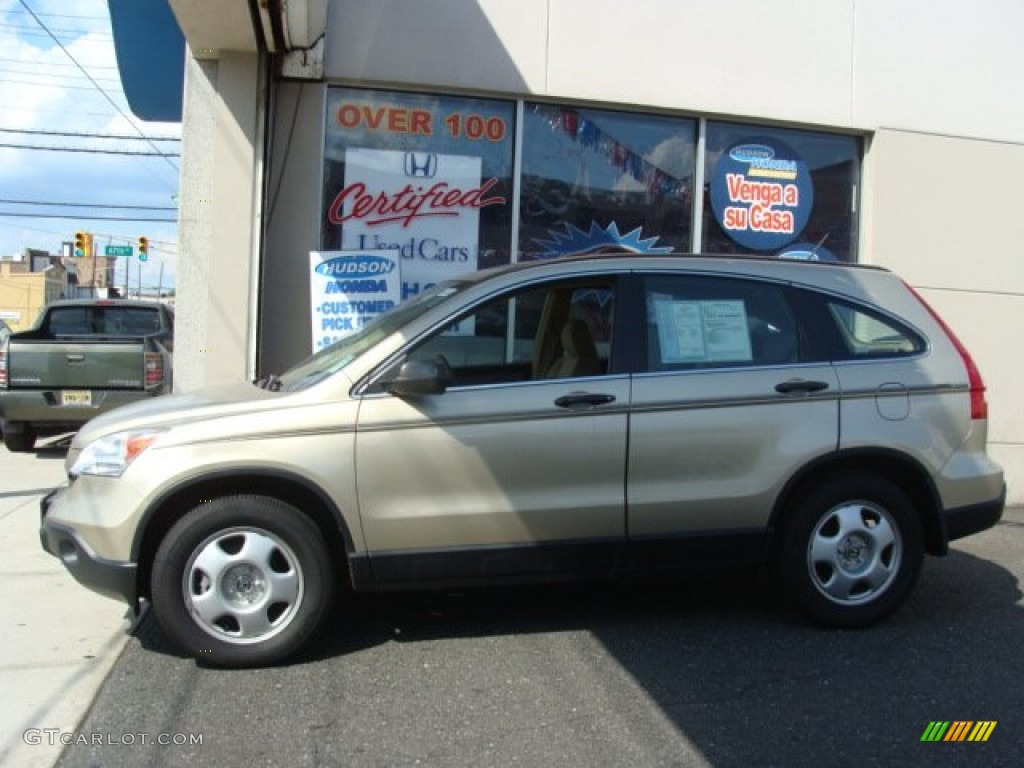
<point x="520" y="462"/>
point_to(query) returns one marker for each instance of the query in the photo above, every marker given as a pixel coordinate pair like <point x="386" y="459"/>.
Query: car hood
<point x="171" y="410"/>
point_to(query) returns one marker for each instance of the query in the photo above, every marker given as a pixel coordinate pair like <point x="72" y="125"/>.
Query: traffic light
<point x="143" y="248"/>
<point x="83" y="245"/>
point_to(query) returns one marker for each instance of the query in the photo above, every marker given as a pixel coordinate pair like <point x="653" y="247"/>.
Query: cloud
<point x="42" y="89"/>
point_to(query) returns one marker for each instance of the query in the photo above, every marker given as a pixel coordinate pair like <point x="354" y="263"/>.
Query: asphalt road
<point x="714" y="670"/>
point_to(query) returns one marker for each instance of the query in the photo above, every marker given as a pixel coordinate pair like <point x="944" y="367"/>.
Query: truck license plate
<point x="76" y="397"/>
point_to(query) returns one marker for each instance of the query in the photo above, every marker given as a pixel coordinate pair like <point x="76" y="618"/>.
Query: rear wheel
<point x="851" y="550"/>
<point x="21" y="441"/>
<point x="242" y="581"/>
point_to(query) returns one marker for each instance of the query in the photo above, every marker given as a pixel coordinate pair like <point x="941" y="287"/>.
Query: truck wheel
<point x="242" y="581"/>
<point x="22" y="441"/>
<point x="851" y="550"/>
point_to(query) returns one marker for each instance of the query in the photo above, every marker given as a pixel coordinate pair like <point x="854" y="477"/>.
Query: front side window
<point x="699" y="323"/>
<point x="561" y="330"/>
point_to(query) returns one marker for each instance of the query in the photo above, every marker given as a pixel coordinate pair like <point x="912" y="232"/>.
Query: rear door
<point x="728" y="403"/>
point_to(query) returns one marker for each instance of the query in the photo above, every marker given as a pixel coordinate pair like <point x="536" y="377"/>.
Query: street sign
<point x="118" y="250"/>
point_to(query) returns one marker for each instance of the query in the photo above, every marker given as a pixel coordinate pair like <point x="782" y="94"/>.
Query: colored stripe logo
<point x="959" y="730"/>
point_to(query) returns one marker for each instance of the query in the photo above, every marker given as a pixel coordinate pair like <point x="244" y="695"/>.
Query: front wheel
<point x="851" y="550"/>
<point x="242" y="581"/>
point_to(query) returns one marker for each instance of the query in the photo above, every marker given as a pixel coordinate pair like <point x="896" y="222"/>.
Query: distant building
<point x="28" y="282"/>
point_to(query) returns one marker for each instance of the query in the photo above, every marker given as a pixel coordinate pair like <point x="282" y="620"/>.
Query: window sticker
<point x="702" y="331"/>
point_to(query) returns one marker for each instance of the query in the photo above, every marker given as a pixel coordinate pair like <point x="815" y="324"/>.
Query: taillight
<point x="3" y="367"/>
<point x="979" y="405"/>
<point x="154" y="370"/>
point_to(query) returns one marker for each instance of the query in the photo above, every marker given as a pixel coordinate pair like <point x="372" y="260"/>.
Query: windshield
<point x="335" y="357"/>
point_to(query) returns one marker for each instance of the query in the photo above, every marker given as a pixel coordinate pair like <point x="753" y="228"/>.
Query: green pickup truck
<point x="80" y="359"/>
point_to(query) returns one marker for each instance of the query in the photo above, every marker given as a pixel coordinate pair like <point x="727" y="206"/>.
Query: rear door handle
<point x="73" y="357"/>
<point x="800" y="385"/>
<point x="583" y="399"/>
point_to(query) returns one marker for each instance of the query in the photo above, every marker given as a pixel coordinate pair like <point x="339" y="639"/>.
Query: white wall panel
<point x="789" y="61"/>
<point x="941" y="66"/>
<point x="945" y="212"/>
<point x="491" y="45"/>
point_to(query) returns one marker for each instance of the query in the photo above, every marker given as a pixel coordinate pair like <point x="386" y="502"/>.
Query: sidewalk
<point x="58" y="640"/>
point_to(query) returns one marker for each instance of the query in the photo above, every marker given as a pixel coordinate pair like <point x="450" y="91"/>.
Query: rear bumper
<point x="43" y="408"/>
<point x="107" y="577"/>
<point x="964" y="521"/>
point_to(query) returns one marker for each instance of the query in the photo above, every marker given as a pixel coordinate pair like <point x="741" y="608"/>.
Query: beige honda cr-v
<point x="573" y="418"/>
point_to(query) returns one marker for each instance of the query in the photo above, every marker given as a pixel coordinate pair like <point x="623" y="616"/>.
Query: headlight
<point x="110" y="456"/>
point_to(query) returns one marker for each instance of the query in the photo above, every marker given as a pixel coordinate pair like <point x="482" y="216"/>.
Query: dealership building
<point x="462" y="134"/>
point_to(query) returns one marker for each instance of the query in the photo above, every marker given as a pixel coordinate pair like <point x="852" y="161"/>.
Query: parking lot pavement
<point x="58" y="640"/>
<point x="708" y="671"/>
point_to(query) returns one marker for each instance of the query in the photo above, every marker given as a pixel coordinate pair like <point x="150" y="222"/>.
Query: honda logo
<point x="421" y="164"/>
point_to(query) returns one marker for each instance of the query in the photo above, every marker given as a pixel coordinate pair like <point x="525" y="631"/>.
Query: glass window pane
<point x="562" y="330"/>
<point x="603" y="181"/>
<point x="864" y="334"/>
<point x="780" y="192"/>
<point x="426" y="175"/>
<point x="696" y="323"/>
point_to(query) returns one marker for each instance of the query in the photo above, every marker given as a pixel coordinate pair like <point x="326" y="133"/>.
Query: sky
<point x="46" y="196"/>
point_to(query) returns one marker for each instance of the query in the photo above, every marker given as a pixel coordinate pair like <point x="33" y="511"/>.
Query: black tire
<point x="22" y="441"/>
<point x="851" y="550"/>
<point x="242" y="581"/>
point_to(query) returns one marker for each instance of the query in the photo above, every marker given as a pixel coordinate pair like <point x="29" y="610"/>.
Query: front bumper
<point x="107" y="577"/>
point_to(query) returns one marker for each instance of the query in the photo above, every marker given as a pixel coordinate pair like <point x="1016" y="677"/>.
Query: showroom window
<point x="436" y="186"/>
<point x="780" y="192"/>
<point x="427" y="177"/>
<point x="597" y="180"/>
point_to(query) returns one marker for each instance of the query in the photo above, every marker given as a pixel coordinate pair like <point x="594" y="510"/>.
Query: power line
<point x="88" y="205"/>
<point x="59" y="15"/>
<point x="90" y="135"/>
<point x="82" y="69"/>
<point x="62" y="86"/>
<point x="85" y="218"/>
<point x="90" y="151"/>
<point x="29" y="30"/>
<point x="50" y="65"/>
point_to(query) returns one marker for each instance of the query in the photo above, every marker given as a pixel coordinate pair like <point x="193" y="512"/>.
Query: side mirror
<point x="416" y="378"/>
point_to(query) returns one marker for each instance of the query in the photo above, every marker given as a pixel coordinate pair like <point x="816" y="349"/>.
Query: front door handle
<point x="583" y="399"/>
<point x="800" y="385"/>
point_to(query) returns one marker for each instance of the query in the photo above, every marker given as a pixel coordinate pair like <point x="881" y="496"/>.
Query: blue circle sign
<point x="762" y="194"/>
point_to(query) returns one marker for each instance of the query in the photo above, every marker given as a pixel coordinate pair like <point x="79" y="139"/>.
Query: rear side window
<point x="698" y="322"/>
<point x="863" y="334"/>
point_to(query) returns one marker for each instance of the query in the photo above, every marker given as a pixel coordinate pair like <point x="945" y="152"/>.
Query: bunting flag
<point x="589" y="135"/>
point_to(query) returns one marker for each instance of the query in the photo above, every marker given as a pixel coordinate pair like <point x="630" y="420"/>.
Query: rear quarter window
<point x="861" y="333"/>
